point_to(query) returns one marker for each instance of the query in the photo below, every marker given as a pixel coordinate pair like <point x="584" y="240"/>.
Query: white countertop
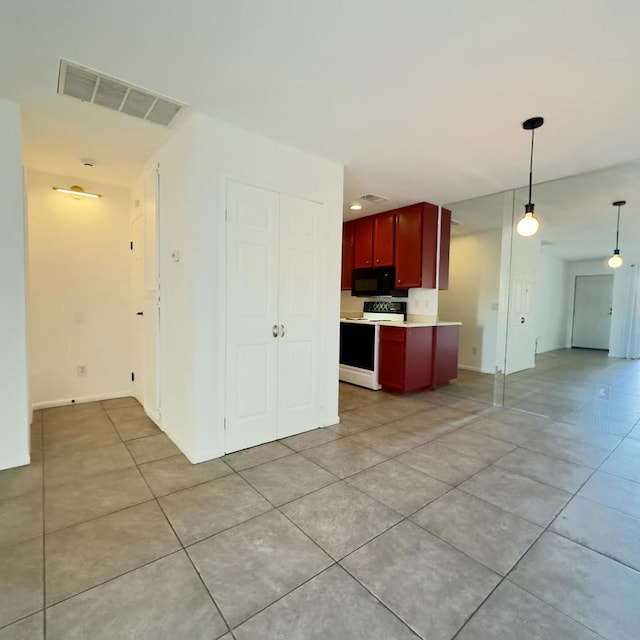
<point x="405" y="325"/>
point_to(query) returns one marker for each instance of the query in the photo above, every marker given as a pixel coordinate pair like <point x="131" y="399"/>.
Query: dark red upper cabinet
<point x="363" y="243"/>
<point x="348" y="234"/>
<point x="406" y="238"/>
<point x="445" y="241"/>
<point x="383" y="234"/>
<point x="416" y="246"/>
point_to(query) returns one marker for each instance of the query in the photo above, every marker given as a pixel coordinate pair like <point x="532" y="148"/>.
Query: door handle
<point x="139" y="313"/>
<point x="521" y="320"/>
<point x="282" y="331"/>
<point x="274" y="331"/>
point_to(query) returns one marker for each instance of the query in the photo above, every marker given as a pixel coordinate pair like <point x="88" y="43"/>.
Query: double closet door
<point x="275" y="285"/>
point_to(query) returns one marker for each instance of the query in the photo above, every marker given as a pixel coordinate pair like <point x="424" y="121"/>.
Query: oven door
<point x="359" y="345"/>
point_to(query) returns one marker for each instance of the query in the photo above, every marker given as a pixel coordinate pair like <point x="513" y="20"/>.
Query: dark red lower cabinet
<point x="417" y="357"/>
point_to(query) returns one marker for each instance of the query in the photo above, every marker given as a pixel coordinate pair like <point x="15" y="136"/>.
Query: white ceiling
<point x="420" y="100"/>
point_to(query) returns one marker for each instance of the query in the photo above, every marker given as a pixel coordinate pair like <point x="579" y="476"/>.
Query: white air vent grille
<point x="372" y="197"/>
<point x="92" y="86"/>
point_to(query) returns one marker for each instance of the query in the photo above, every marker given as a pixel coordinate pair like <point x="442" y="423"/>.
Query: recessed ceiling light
<point x="355" y="207"/>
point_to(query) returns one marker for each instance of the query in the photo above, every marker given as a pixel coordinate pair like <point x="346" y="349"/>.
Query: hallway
<point x="428" y="516"/>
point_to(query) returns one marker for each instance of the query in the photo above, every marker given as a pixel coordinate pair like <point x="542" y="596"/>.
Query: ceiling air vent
<point x="92" y="86"/>
<point x="372" y="197"/>
<point x="455" y="223"/>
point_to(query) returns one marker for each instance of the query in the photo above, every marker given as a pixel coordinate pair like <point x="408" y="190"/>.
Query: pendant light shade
<point x="616" y="260"/>
<point x="529" y="225"/>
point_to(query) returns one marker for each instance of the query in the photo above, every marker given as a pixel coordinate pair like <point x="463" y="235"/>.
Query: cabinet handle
<point x="282" y="331"/>
<point x="274" y="331"/>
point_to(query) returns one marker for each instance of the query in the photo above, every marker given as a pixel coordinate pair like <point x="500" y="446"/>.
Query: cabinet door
<point x="408" y="247"/>
<point x="445" y="354"/>
<point x="300" y="287"/>
<point x="252" y="311"/>
<point x="383" y="227"/>
<point x="348" y="232"/>
<point x="419" y="351"/>
<point x="443" y="251"/>
<point x="363" y="244"/>
<point x="391" y="373"/>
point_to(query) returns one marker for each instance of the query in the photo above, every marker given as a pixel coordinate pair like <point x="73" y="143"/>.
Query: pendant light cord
<point x="531" y="167"/>
<point x="618" y="227"/>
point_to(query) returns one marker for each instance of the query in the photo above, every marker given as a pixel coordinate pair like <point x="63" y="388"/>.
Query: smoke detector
<point x="95" y="87"/>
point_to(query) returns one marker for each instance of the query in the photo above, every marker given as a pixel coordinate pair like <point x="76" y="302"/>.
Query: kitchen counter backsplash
<point x="421" y="303"/>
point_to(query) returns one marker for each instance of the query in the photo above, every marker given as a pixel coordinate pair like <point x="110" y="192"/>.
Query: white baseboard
<point x="68" y="401"/>
<point x="470" y="368"/>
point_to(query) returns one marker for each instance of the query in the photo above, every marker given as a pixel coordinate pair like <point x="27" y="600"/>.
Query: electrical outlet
<point x="82" y="370"/>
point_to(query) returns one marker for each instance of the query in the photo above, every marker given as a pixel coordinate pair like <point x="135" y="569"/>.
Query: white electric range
<point x="360" y="342"/>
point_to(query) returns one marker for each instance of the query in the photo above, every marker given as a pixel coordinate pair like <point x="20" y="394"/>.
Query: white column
<point x="14" y="385"/>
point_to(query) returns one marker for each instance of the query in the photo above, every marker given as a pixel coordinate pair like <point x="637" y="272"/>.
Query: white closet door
<point x="252" y="312"/>
<point x="301" y="287"/>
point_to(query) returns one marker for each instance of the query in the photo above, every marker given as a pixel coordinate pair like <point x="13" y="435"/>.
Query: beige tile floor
<point x="431" y="516"/>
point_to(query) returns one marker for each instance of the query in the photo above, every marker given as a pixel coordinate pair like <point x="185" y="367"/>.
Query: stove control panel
<point x="385" y="306"/>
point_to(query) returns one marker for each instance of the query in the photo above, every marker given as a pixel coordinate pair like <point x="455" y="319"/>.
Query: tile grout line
<point x="345" y="479"/>
<point x="145" y="564"/>
<point x="182" y="547"/>
<point x="545" y="530"/>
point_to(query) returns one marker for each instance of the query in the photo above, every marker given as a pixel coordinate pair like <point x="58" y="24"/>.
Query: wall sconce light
<point x="528" y="224"/>
<point x="615" y="260"/>
<point x="77" y="192"/>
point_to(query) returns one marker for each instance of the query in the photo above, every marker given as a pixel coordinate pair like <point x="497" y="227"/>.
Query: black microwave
<point x="376" y="281"/>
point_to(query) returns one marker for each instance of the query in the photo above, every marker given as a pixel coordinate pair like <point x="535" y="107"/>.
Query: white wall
<point x="14" y="387"/>
<point x="552" y="293"/>
<point x="79" y="299"/>
<point x="472" y="297"/>
<point x="194" y="168"/>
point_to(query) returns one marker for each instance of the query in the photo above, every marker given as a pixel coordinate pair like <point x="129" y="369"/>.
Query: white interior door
<point x="252" y="315"/>
<point x="521" y="339"/>
<point x="150" y="304"/>
<point x="137" y="299"/>
<point x="300" y="302"/>
<point x="592" y="312"/>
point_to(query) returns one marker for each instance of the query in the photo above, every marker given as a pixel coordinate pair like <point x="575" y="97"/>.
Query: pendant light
<point x="528" y="224"/>
<point x="615" y="260"/>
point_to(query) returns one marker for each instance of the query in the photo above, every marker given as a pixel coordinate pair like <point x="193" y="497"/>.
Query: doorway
<point x="592" y="308"/>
